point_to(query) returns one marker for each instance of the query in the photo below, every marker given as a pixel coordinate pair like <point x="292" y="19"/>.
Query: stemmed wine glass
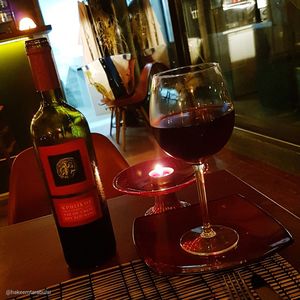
<point x="192" y="117"/>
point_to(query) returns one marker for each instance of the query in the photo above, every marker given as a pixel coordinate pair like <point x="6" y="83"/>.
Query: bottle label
<point x="67" y="167"/>
<point x="68" y="171"/>
<point x="78" y="210"/>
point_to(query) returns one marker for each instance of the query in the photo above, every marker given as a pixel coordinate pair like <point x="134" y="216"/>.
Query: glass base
<point x="218" y="241"/>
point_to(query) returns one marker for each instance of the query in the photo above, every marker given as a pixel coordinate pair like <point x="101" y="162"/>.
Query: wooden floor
<point x="282" y="187"/>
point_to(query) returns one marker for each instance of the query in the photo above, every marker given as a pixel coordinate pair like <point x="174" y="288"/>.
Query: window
<point x="257" y="44"/>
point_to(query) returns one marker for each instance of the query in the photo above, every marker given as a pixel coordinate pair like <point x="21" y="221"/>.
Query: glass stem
<point x="207" y="232"/>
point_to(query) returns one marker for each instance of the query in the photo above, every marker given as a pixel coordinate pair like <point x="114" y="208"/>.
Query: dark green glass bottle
<point x="63" y="145"/>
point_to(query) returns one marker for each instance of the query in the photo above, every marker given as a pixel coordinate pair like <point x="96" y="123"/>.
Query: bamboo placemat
<point x="134" y="280"/>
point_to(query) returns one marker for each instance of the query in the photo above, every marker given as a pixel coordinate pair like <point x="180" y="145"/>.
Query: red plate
<point x="157" y="236"/>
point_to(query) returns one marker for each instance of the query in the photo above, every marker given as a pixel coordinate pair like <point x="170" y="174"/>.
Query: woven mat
<point x="135" y="281"/>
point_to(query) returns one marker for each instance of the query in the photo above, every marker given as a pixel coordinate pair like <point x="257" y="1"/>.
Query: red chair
<point x="28" y="196"/>
<point x="110" y="162"/>
<point x="135" y="101"/>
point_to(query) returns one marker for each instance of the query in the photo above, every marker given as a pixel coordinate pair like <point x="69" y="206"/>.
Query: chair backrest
<point x="142" y="90"/>
<point x="143" y="87"/>
<point x="110" y="162"/>
<point x="28" y="196"/>
<point x="131" y="76"/>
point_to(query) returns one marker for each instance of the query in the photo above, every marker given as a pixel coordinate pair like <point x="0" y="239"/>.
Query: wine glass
<point x="192" y="117"/>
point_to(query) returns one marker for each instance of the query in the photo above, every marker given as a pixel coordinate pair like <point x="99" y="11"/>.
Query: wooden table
<point x="31" y="257"/>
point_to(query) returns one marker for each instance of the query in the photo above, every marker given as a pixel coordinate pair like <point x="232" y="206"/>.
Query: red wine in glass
<point x="195" y="133"/>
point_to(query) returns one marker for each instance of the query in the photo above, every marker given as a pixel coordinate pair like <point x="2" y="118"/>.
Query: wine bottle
<point x="64" y="149"/>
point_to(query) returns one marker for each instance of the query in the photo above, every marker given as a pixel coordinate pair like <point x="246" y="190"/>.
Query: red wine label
<point x="79" y="210"/>
<point x="68" y="171"/>
<point x="67" y="167"/>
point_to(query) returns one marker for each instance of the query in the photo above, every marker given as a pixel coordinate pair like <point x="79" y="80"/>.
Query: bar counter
<point x="31" y="257"/>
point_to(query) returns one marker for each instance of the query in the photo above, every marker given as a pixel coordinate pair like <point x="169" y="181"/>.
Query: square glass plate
<point x="157" y="236"/>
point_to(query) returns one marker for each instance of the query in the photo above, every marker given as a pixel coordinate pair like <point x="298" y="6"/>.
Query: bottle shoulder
<point x="60" y="111"/>
<point x="60" y="122"/>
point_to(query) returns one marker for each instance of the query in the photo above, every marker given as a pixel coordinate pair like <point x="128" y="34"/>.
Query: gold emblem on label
<point x="66" y="168"/>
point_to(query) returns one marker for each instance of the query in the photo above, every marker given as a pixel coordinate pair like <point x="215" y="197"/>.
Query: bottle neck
<point x="43" y="68"/>
<point x="52" y="96"/>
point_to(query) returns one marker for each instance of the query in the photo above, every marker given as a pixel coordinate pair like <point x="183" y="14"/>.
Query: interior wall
<point x="17" y="91"/>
